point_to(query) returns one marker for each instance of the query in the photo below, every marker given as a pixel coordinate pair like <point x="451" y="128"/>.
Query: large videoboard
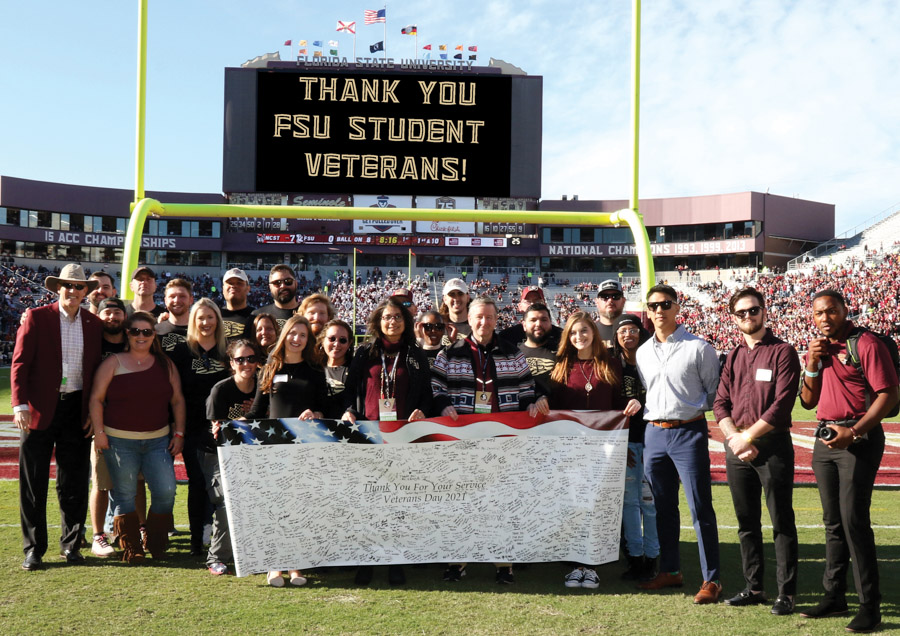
<point x="302" y="130"/>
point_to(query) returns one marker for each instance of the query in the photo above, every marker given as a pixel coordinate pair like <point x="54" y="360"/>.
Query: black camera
<point x="825" y="433"/>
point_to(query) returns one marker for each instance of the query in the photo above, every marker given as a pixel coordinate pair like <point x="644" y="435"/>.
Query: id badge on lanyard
<point x="387" y="405"/>
<point x="482" y="397"/>
<point x="387" y="410"/>
<point x="483" y="401"/>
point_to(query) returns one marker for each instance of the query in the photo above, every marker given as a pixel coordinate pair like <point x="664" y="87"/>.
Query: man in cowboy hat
<point x="57" y="351"/>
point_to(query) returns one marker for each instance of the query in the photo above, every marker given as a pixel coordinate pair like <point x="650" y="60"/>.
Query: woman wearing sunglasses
<point x="388" y="381"/>
<point x="430" y="332"/>
<point x="335" y="347"/>
<point x="229" y="399"/>
<point x="129" y="407"/>
<point x="201" y="363"/>
<point x="291" y="384"/>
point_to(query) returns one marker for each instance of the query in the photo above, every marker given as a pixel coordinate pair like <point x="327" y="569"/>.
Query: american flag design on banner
<point x="296" y="431"/>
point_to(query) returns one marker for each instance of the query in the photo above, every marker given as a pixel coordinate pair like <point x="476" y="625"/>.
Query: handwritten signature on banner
<point x="440" y="429"/>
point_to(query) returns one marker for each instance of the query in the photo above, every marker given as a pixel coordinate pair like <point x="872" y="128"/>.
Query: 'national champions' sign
<point x="305" y="130"/>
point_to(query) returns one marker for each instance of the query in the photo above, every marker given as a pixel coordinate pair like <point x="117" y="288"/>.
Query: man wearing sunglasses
<point x="610" y="303"/>
<point x="680" y="372"/>
<point x="57" y="351"/>
<point x="283" y="287"/>
<point x="756" y="393"/>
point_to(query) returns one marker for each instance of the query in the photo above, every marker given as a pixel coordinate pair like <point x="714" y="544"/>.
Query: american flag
<point x="348" y="27"/>
<point x="374" y="15"/>
<point x="296" y="431"/>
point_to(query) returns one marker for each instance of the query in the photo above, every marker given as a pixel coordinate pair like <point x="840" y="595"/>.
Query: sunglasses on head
<point x="76" y="286"/>
<point x="432" y="327"/>
<point x="752" y="311"/>
<point x="340" y="339"/>
<point x="284" y="282"/>
<point x="134" y="331"/>
<point x="245" y="359"/>
<point x="665" y="305"/>
<point x="612" y="296"/>
<point x="407" y="303"/>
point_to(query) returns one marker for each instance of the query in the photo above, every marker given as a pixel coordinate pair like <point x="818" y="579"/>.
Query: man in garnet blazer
<point x="58" y="348"/>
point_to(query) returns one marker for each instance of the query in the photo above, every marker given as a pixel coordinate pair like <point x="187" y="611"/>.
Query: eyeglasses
<point x="632" y="331"/>
<point x="432" y="327"/>
<point x="283" y="282"/>
<point x="340" y="339"/>
<point x="608" y="297"/>
<point x="134" y="331"/>
<point x="752" y="311"/>
<point x="245" y="359"/>
<point x="665" y="305"/>
<point x="76" y="286"/>
<point x="392" y="317"/>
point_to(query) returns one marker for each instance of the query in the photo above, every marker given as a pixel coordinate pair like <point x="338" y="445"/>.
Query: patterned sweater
<point x="454" y="383"/>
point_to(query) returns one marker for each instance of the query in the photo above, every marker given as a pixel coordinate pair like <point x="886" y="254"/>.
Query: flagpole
<point x="354" y="295"/>
<point x="385" y="31"/>
<point x="409" y="268"/>
<point x="354" y="44"/>
<point x="417" y="42"/>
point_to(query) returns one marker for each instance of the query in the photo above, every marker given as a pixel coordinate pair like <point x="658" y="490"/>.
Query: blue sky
<point x="798" y="97"/>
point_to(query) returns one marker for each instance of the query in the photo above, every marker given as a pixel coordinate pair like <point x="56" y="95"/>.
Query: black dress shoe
<point x="396" y="575"/>
<point x="745" y="598"/>
<point x="828" y="606"/>
<point x="32" y="562"/>
<point x="784" y="606"/>
<point x="363" y="575"/>
<point x="867" y="620"/>
<point x="73" y="557"/>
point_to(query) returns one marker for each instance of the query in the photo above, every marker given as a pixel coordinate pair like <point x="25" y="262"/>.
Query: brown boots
<point x="129" y="532"/>
<point x="157" y="539"/>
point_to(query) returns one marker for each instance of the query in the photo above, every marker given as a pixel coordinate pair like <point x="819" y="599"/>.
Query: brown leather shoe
<point x="709" y="593"/>
<point x="663" y="579"/>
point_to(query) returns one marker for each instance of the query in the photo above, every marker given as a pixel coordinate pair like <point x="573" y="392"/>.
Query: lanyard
<point x="388" y="379"/>
<point x="484" y="363"/>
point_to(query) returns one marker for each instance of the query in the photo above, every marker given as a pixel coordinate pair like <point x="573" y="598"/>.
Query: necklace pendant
<point x="588" y="387"/>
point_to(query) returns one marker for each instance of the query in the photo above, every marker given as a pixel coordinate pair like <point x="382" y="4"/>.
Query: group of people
<point x="78" y="371"/>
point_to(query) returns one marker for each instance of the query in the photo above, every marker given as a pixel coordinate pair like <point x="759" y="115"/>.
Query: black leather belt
<point x="71" y="395"/>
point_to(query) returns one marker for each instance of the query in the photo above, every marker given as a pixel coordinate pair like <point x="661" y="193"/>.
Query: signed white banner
<point x="549" y="490"/>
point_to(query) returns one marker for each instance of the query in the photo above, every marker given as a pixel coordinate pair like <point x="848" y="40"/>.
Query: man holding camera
<point x="851" y="401"/>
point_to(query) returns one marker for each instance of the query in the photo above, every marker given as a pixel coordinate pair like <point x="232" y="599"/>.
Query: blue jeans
<point x="126" y="458"/>
<point x="682" y="453"/>
<point x="638" y="507"/>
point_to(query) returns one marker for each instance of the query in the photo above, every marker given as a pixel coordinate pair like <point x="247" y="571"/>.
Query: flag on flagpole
<point x="301" y="51"/>
<point x="443" y="56"/>
<point x="472" y="57"/>
<point x="287" y="43"/>
<point x="474" y="49"/>
<point x="378" y="46"/>
<point x="332" y="52"/>
<point x="317" y="53"/>
<point x="442" y="47"/>
<point x="371" y="16"/>
<point x="459" y="47"/>
<point x="427" y="47"/>
<point x="409" y="30"/>
<point x="301" y="43"/>
<point x="332" y="43"/>
<point x="458" y="56"/>
<point x="317" y="42"/>
<point x="347" y="27"/>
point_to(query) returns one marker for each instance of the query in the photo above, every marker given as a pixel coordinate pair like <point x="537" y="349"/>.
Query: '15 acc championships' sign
<point x="396" y="133"/>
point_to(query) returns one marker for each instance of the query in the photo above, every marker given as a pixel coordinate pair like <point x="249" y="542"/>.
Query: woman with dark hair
<point x="228" y="400"/>
<point x="388" y="380"/>
<point x="137" y="440"/>
<point x="290" y="385"/>
<point x="335" y="349"/>
<point x="638" y="508"/>
<point x="265" y="329"/>
<point x="586" y="377"/>
<point x="201" y="363"/>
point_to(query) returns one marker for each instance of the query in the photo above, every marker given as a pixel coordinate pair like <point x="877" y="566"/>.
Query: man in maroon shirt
<point x="851" y="404"/>
<point x="753" y="406"/>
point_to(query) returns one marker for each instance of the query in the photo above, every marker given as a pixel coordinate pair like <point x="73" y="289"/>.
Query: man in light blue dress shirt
<point x="680" y="372"/>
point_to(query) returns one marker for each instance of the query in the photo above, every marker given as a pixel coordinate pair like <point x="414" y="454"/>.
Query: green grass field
<point x="179" y="596"/>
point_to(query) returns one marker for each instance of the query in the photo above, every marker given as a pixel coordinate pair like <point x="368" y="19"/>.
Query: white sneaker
<point x="590" y="579"/>
<point x="575" y="578"/>
<point x="100" y="546"/>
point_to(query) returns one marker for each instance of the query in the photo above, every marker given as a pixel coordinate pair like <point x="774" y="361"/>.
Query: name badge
<point x="279" y="378"/>
<point x="387" y="410"/>
<point x="483" y="402"/>
<point x="764" y="375"/>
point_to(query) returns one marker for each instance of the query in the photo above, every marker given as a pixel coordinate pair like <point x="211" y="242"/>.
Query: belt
<point x="844" y="423"/>
<point x="675" y="423"/>
<point x="71" y="395"/>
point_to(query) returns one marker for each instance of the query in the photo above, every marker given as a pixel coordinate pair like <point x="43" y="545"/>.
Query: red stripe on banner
<point x="597" y="420"/>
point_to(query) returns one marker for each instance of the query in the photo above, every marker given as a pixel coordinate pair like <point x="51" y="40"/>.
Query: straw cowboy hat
<point x="71" y="273"/>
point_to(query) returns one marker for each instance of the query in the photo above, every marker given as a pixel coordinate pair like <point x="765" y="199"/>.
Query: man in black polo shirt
<point x="610" y="303"/>
<point x="756" y="393"/>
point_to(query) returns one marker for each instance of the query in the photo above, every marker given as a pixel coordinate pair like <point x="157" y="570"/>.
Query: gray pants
<point x="220" y="540"/>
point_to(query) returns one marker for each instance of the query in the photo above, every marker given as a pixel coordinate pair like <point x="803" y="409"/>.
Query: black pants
<point x="772" y="473"/>
<point x="200" y="510"/>
<point x="846" y="479"/>
<point x="73" y="471"/>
